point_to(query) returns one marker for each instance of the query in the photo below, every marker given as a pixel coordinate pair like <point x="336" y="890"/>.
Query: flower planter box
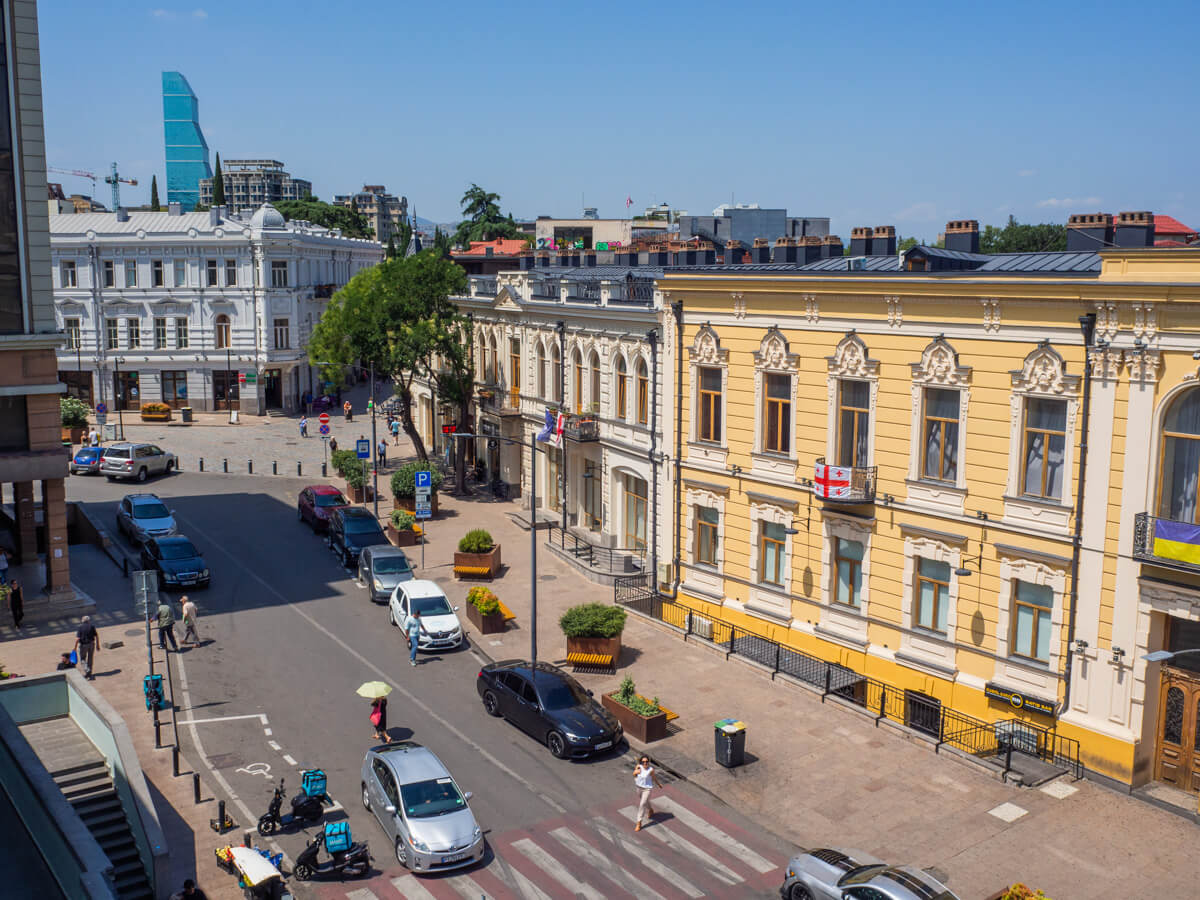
<point x="490" y="624"/>
<point x="605" y="646"/>
<point x="74" y="433"/>
<point x="410" y="503"/>
<point x="406" y="538"/>
<point x="359" y="494"/>
<point x="644" y="728"/>
<point x="156" y="417"/>
<point x="479" y="561"/>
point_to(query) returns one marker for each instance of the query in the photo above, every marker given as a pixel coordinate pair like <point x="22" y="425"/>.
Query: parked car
<point x="177" y="561"/>
<point x="853" y="875"/>
<point x="441" y="623"/>
<point x="420" y="808"/>
<point x="317" y="502"/>
<point x="144" y="516"/>
<point x="87" y="460"/>
<point x="140" y="461"/>
<point x="352" y="530"/>
<point x="550" y="705"/>
<point x="380" y="569"/>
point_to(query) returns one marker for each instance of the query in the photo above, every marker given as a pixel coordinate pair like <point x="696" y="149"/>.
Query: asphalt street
<point x="288" y="636"/>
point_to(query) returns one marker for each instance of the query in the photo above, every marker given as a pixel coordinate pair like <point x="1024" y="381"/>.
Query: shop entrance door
<point x="273" y="388"/>
<point x="1177" y="757"/>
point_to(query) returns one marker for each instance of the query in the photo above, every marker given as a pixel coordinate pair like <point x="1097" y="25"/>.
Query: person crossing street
<point x="413" y="627"/>
<point x="166" y="626"/>
<point x="645" y="779"/>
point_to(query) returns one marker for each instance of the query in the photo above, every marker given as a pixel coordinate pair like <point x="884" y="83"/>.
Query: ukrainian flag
<point x="1177" y="540"/>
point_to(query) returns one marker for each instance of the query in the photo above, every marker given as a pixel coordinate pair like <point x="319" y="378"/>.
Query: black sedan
<point x="550" y="705"/>
<point x="177" y="561"/>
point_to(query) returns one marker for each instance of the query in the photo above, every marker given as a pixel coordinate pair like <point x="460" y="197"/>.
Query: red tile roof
<point x="500" y="247"/>
<point x="1171" y="244"/>
<point x="1168" y="225"/>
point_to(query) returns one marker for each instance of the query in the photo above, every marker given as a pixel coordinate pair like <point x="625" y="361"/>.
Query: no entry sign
<point x="323" y="418"/>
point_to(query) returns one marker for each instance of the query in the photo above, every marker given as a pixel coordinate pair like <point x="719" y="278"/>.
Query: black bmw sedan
<point x="177" y="561"/>
<point x="549" y="705"/>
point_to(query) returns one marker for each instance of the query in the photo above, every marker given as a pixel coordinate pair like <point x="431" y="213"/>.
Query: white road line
<point x="267" y="732"/>
<point x="686" y="848"/>
<point x="525" y="887"/>
<point x="262" y="718"/>
<point x="555" y="869"/>
<point x="361" y="894"/>
<point x="467" y="888"/>
<point x="716" y="835"/>
<point x="603" y="864"/>
<point x="606" y="830"/>
<point x="273" y="745"/>
<point x="413" y="699"/>
<point x="287" y="759"/>
<point x="411" y="889"/>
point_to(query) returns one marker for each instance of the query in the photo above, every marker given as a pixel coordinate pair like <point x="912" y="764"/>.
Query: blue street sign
<point x="324" y="429"/>
<point x="363" y="447"/>
<point x="423" y="510"/>
<point x="101" y="408"/>
<point x="423" y="478"/>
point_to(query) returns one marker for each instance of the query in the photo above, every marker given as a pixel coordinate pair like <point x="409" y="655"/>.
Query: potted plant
<point x="483" y="610"/>
<point x="404" y="486"/>
<point x="156" y="412"/>
<point x="594" y="628"/>
<point x="641" y="718"/>
<point x="356" y="484"/>
<point x="401" y="530"/>
<point x="478" y="552"/>
<point x="74" y="419"/>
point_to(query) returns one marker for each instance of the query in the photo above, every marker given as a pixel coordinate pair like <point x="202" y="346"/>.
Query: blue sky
<point x="904" y="114"/>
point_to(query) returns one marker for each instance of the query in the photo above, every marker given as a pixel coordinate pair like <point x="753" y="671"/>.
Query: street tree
<point x="391" y="247"/>
<point x="483" y="220"/>
<point x="1016" y="237"/>
<point x="218" y="198"/>
<point x="155" y="206"/>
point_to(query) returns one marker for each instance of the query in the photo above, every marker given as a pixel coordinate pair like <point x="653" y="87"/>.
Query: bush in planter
<point x="74" y="412"/>
<point x="155" y="409"/>
<point x="627" y="696"/>
<point x="404" y="479"/>
<point x="477" y="540"/>
<point x="341" y="460"/>
<point x="593" y="620"/>
<point x="483" y="600"/>
<point x="355" y="478"/>
<point x="403" y="520"/>
<point x="1020" y="891"/>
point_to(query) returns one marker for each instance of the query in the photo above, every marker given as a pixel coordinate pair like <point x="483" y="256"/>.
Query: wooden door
<point x="1178" y="753"/>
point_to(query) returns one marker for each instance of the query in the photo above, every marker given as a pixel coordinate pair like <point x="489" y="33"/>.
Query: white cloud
<point x="199" y="14"/>
<point x="1068" y="201"/>
<point x="161" y="14"/>
<point x="1025" y="173"/>
<point x="922" y="211"/>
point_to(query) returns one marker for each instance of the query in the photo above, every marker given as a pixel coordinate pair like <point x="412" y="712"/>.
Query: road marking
<point x="1008" y="812"/>
<point x="413" y="699"/>
<point x="686" y="848"/>
<point x="361" y="894"/>
<point x="262" y="718"/>
<point x="287" y="759"/>
<point x="555" y="869"/>
<point x="267" y="732"/>
<point x="263" y="769"/>
<point x="602" y="864"/>
<point x="467" y="888"/>
<point x="603" y="828"/>
<point x="526" y="887"/>
<point x="411" y="888"/>
<point x="715" y="834"/>
<point x="274" y="745"/>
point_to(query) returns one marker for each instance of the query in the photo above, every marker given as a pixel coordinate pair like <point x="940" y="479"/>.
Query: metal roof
<point x="887" y="263"/>
<point x="610" y="272"/>
<point x="150" y="222"/>
<point x="943" y="253"/>
<point x="1085" y="262"/>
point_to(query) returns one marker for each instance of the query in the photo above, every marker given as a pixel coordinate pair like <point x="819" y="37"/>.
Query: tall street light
<point x="1164" y="655"/>
<point x="117" y="362"/>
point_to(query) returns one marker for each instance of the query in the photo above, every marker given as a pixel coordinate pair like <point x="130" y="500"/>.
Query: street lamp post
<point x="117" y="360"/>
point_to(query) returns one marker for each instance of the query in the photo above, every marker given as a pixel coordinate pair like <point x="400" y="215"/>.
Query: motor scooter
<point x="307" y="809"/>
<point x="353" y="861"/>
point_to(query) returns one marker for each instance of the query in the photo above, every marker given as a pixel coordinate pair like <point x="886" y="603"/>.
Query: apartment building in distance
<point x="249" y="183"/>
<point x="384" y="211"/>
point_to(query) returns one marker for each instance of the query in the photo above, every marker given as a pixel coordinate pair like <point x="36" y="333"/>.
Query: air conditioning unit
<point x="701" y="627"/>
<point x="664" y="573"/>
<point x="856" y="263"/>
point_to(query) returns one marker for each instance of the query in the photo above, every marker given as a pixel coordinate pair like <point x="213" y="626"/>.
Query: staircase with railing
<point x="596" y="559"/>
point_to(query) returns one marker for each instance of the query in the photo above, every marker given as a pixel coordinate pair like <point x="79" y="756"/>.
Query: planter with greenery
<point x="1019" y="891"/>
<point x="341" y="460"/>
<point x="594" y="628"/>
<point x="356" y="484"/>
<point x="74" y="419"/>
<point x="404" y="485"/>
<point x="402" y="529"/>
<point x="483" y="610"/>
<point x="477" y="551"/>
<point x="641" y="718"/>
<point x="156" y="412"/>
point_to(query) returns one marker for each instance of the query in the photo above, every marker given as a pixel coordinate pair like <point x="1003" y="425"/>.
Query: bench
<point x="590" y="660"/>
<point x="670" y="715"/>
<point x="508" y="614"/>
<point x="473" y="572"/>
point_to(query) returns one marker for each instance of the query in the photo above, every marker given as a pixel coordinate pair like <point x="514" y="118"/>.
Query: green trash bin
<point x="730" y="738"/>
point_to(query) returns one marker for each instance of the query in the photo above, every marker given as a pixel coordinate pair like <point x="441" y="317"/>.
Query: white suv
<point x="438" y="617"/>
<point x="128" y="460"/>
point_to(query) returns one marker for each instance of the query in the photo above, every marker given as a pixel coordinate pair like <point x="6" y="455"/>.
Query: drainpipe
<point x="652" y="337"/>
<point x="561" y="328"/>
<point x="1087" y="325"/>
<point x="677" y="311"/>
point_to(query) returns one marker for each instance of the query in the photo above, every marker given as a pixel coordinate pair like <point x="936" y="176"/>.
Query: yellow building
<point x="881" y="467"/>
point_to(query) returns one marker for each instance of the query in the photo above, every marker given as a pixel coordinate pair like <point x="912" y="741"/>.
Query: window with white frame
<point x="931" y="595"/>
<point x="181" y="332"/>
<point x="775" y="368"/>
<point x="231" y="279"/>
<point x="848" y="572"/>
<point x="133" y="333"/>
<point x="707" y="521"/>
<point x="279" y="273"/>
<point x="282" y="337"/>
<point x="156" y="272"/>
<point x="940" y="394"/>
<point x="622" y="399"/>
<point x="71" y="326"/>
<point x="67" y="274"/>
<point x="1030" y="619"/>
<point x="772" y="554"/>
<point x="222" y="332"/>
<point x="160" y="333"/>
<point x="777" y="413"/>
<point x="180" y="273"/>
<point x="110" y="278"/>
<point x="1032" y="606"/>
<point x="112" y="340"/>
<point x="845" y="579"/>
<point x="853" y="379"/>
<point x="1043" y="443"/>
<point x="210" y="272"/>
<point x="939" y="435"/>
<point x="643" y="393"/>
<point x="709" y="365"/>
<point x="594" y="386"/>
<point x="708" y="428"/>
<point x="541" y="370"/>
<point x="854" y="423"/>
<point x="130" y="273"/>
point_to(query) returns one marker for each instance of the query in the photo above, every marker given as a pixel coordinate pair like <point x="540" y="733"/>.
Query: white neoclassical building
<point x="203" y="309"/>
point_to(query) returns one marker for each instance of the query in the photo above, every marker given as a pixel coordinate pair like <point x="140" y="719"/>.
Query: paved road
<point x="290" y="636"/>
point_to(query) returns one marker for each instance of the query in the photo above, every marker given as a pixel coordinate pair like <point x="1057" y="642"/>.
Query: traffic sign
<point x="241" y="377"/>
<point x="101" y="408"/>
<point x="422" y="495"/>
<point x="423" y="478"/>
<point x="363" y="448"/>
<point x="323" y="418"/>
<point x="324" y="429"/>
<point x="422" y="510"/>
<point x="449" y="429"/>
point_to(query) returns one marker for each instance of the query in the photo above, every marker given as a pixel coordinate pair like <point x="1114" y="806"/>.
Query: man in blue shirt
<point x="413" y="628"/>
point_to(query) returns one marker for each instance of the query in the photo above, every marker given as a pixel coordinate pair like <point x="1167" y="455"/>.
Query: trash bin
<point x="185" y="413"/>
<point x="730" y="738"/>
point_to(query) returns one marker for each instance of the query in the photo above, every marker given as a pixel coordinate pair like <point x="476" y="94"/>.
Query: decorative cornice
<point x="991" y="314"/>
<point x="850" y="359"/>
<point x="774" y="352"/>
<point x="1044" y="372"/>
<point x="1144" y="365"/>
<point x="706" y="348"/>
<point x="939" y="366"/>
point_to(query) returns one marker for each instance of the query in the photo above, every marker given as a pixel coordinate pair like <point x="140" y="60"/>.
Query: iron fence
<point x="607" y="560"/>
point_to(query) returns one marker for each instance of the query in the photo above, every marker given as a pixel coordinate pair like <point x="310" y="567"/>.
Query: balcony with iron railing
<point x="844" y="484"/>
<point x="1166" y="542"/>
<point x="483" y="286"/>
<point x="583" y="427"/>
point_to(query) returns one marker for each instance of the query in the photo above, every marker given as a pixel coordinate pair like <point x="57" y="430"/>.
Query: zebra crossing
<point x="689" y="851"/>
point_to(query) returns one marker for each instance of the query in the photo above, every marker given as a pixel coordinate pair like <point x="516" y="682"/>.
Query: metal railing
<point x="845" y="484"/>
<point x="581" y="427"/>
<point x="483" y="285"/>
<point x="1145" y="530"/>
<point x="545" y="290"/>
<point x="607" y="560"/>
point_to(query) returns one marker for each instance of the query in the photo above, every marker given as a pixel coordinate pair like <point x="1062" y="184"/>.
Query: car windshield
<point x="861" y="875"/>
<point x="561" y="694"/>
<point x="177" y="550"/>
<point x="390" y="565"/>
<point x="360" y="524"/>
<point x="437" y="797"/>
<point x="331" y="500"/>
<point x="150" y="511"/>
<point x="87" y="453"/>
<point x="430" y="606"/>
<point x="117" y="452"/>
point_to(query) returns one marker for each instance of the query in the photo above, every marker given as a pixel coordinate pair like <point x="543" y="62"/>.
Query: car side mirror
<point x="468" y="795"/>
<point x="390" y="810"/>
<point x="590" y="694"/>
<point x="456" y="609"/>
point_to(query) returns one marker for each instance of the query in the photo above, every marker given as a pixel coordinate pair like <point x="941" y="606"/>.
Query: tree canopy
<point x="484" y="221"/>
<point x="218" y="195"/>
<point x="1016" y="237"/>
<point x="155" y="206"/>
<point x="353" y="224"/>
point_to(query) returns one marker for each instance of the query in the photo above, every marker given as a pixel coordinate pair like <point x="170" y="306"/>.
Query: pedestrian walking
<point x="644" y="780"/>
<point x="189" y="892"/>
<point x="166" y="626"/>
<point x="304" y="426"/>
<point x="395" y="431"/>
<point x="413" y="627"/>
<point x="379" y="719"/>
<point x="87" y="642"/>
<point x="3" y="567"/>
<point x="333" y="445"/>
<point x="16" y="602"/>
<point x="381" y="451"/>
<point x="94" y="438"/>
<point x="189" y="621"/>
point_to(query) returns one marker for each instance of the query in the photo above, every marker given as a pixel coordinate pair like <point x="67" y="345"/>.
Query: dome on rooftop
<point x="267" y="216"/>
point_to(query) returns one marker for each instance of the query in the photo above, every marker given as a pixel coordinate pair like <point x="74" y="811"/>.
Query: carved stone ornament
<point x="991" y="314"/>
<point x="1143" y="366"/>
<point x="939" y="365"/>
<point x="706" y="349"/>
<point x="812" y="311"/>
<point x="850" y="359"/>
<point x="1106" y="364"/>
<point x="895" y="311"/>
<point x="1044" y="372"/>
<point x="1107" y="320"/>
<point x="739" y="305"/>
<point x="773" y="352"/>
<point x="1145" y="321"/>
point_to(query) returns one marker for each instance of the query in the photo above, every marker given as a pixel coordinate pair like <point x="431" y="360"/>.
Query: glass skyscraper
<point x="187" y="151"/>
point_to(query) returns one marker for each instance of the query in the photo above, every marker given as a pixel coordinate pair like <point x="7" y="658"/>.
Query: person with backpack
<point x="87" y="642"/>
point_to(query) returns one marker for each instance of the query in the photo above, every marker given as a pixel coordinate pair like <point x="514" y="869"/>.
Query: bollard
<point x="157" y="735"/>
<point x="247" y="839"/>
<point x="323" y="470"/>
<point x="220" y="816"/>
<point x="298" y="472"/>
<point x="274" y="467"/>
<point x="202" y="464"/>
<point x="196" y="786"/>
<point x="175" y="761"/>
<point x="225" y="464"/>
<point x="250" y="466"/>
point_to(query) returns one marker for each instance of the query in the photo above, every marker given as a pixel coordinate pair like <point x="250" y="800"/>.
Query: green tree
<point x="442" y="243"/>
<point x="391" y="247"/>
<point x="404" y="232"/>
<point x="353" y="224"/>
<point x="483" y="220"/>
<point x="218" y="185"/>
<point x="907" y="244"/>
<point x="1016" y="237"/>
<point x="155" y="206"/>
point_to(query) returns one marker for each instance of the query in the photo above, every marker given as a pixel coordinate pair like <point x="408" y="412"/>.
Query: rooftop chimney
<point x="626" y="256"/>
<point x="214" y="215"/>
<point x="761" y="252"/>
<point x="175" y="209"/>
<point x="1135" y="229"/>
<point x="1089" y="232"/>
<point x="543" y="259"/>
<point x="810" y="249"/>
<point x="122" y="214"/>
<point x="734" y="253"/>
<point x="883" y="241"/>
<point x="963" y="235"/>
<point x="831" y="246"/>
<point x="860" y="241"/>
<point x="785" y="250"/>
<point x="527" y="260"/>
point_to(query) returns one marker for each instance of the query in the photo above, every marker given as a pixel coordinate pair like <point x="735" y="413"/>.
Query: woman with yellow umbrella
<point x="378" y="691"/>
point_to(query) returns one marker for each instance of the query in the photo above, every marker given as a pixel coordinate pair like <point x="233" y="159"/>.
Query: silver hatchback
<point x="139" y="461"/>
<point x="420" y="808"/>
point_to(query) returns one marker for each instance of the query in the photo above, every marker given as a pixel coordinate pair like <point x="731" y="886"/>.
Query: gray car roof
<point x="410" y="762"/>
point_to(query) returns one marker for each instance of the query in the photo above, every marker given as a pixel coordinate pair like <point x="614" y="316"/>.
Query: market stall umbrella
<point x="373" y="689"/>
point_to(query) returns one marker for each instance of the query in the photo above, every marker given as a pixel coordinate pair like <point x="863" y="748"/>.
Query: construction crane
<point x="79" y="173"/>
<point x="114" y="179"/>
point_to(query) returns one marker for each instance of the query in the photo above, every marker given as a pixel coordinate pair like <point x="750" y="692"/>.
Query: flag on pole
<point x="628" y="201"/>
<point x="556" y="438"/>
<point x="547" y="429"/>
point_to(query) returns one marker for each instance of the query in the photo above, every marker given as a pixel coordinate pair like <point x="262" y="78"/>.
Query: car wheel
<point x="799" y="892"/>
<point x="110" y="478"/>
<point x="141" y="475"/>
<point x="366" y="797"/>
<point x="401" y="852"/>
<point x="392" y="615"/>
<point x="170" y="465"/>
<point x="303" y="871"/>
<point x="490" y="704"/>
<point x="557" y="744"/>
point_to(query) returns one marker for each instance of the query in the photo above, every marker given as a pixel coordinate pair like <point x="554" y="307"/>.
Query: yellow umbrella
<point x="373" y="689"/>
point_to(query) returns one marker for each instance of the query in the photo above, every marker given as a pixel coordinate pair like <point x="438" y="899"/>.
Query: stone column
<point x="54" y="515"/>
<point x="25" y="515"/>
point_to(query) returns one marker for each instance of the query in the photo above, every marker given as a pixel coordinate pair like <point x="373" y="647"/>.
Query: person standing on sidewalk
<point x="166" y="626"/>
<point x="304" y="426"/>
<point x="189" y="621"/>
<point x="413" y="626"/>
<point x="16" y="602"/>
<point x="644" y="779"/>
<point x="382" y="452"/>
<point x="87" y="642"/>
<point x="395" y="432"/>
<point x="333" y="445"/>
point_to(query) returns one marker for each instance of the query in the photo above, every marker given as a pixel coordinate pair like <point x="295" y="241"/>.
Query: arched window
<point x="643" y="393"/>
<point x="556" y="373"/>
<point x="622" y="387"/>
<point x="541" y="371"/>
<point x="223" y="342"/>
<point x="493" y="360"/>
<point x="1180" y="459"/>
<point x="577" y="382"/>
<point x="594" y="397"/>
